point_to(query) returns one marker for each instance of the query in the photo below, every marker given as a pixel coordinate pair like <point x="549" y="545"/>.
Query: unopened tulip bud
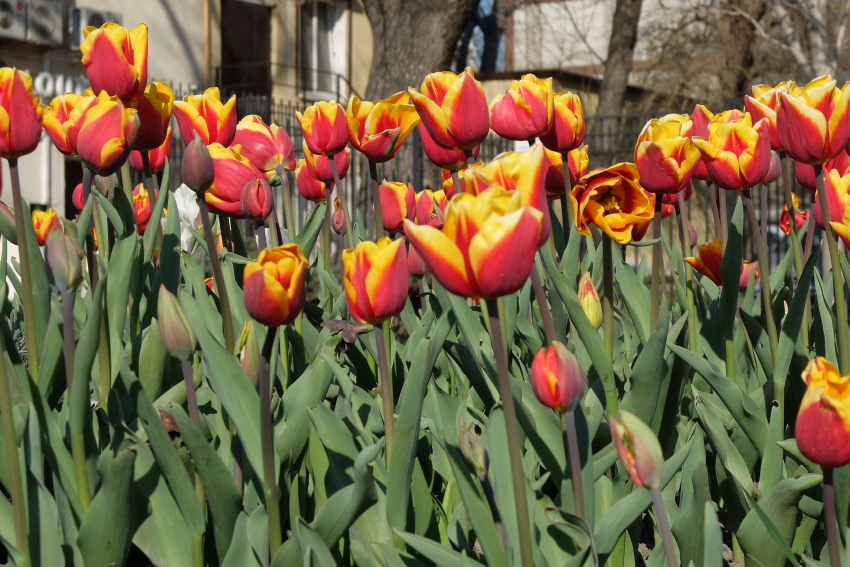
<point x="197" y="168"/>
<point x="256" y="200"/>
<point x="43" y="223"/>
<point x="63" y="260"/>
<point x="638" y="449"/>
<point x="589" y="298"/>
<point x="338" y="218"/>
<point x="557" y="377"/>
<point x="7" y="223"/>
<point x="473" y="449"/>
<point x="823" y="422"/>
<point x="415" y="263"/>
<point x="248" y="350"/>
<point x="177" y="334"/>
<point x="692" y="232"/>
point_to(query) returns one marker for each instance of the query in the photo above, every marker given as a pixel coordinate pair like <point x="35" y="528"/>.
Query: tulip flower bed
<point x="545" y="407"/>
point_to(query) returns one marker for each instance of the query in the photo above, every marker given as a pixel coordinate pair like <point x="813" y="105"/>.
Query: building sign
<point x="47" y="86"/>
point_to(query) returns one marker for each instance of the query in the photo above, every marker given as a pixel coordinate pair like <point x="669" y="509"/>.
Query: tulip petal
<point x="386" y="282"/>
<point x="443" y="258"/>
<point x="802" y="130"/>
<point x="465" y="107"/>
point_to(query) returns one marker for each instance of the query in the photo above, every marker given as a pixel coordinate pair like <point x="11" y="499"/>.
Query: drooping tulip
<point x="116" y="60"/>
<point x="265" y="146"/>
<point x="274" y="285"/>
<point x="486" y="247"/>
<point x="20" y="114"/>
<point x="43" y="222"/>
<point x="823" y="421"/>
<point x="177" y="334"/>
<point x="708" y="260"/>
<point x="154" y="108"/>
<point x="428" y="210"/>
<point x="375" y="277"/>
<point x="398" y="202"/>
<point x="664" y="155"/>
<point x="453" y="108"/>
<point x="837" y="190"/>
<point x="142" y="208"/>
<point x="256" y="200"/>
<point x="577" y="163"/>
<point x="638" y="449"/>
<point x="800" y="216"/>
<point x="310" y="188"/>
<point x="319" y="166"/>
<point x="557" y="378"/>
<point x="205" y="114"/>
<point x="232" y="172"/>
<point x="452" y="160"/>
<point x="589" y="298"/>
<point x="525" y="111"/>
<point x="325" y="128"/>
<point x="106" y="136"/>
<point x="378" y="129"/>
<point x="736" y="153"/>
<point x="338" y="218"/>
<point x="566" y="132"/>
<point x="813" y="122"/>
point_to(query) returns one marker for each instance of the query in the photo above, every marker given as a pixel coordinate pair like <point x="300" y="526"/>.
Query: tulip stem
<point x="104" y="370"/>
<point x="664" y="526"/>
<point x="89" y="238"/>
<point x="470" y="159"/>
<point x="567" y="211"/>
<point x="540" y="295"/>
<point x="657" y="264"/>
<point x="810" y="234"/>
<point x="568" y="432"/>
<point x="423" y="299"/>
<point x="764" y="269"/>
<point x="724" y="219"/>
<point x="795" y="241"/>
<point x="837" y="280"/>
<point x="349" y="230"/>
<point x="68" y="344"/>
<point x="26" y="274"/>
<point x="712" y="198"/>
<point x="326" y="245"/>
<point x="386" y="382"/>
<point x="376" y="200"/>
<point x="608" y="318"/>
<point x="218" y="276"/>
<point x="260" y="229"/>
<point x="829" y="518"/>
<point x="194" y="414"/>
<point x="456" y="182"/>
<point x="685" y="240"/>
<point x="272" y="499"/>
<point x="287" y="207"/>
<point x="514" y="448"/>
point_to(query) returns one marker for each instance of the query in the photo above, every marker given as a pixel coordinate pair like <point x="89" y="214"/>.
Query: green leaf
<point x="49" y="361"/>
<point x="314" y="551"/>
<point x="240" y="553"/>
<point x="168" y="272"/>
<point x="439" y="554"/>
<point x="111" y="213"/>
<point x="643" y="243"/>
<point x="730" y="272"/>
<point x="83" y="221"/>
<point x="688" y="527"/>
<point x="758" y="337"/>
<point x="827" y="322"/>
<point x="40" y="289"/>
<point x="306" y="238"/>
<point x="389" y="556"/>
<point x="156" y="214"/>
<point x="713" y="538"/>
<point x="117" y="293"/>
<point x="649" y="367"/>
<point x="636" y="297"/>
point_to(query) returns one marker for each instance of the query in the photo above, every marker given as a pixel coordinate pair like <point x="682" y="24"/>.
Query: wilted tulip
<point x="142" y="207"/>
<point x="116" y="60"/>
<point x="154" y="108"/>
<point x="156" y="156"/>
<point x="205" y="114"/>
<point x="310" y="188"/>
<point x="486" y="247"/>
<point x="398" y="202"/>
<point x="377" y="129"/>
<point x="566" y="132"/>
<point x="319" y="166"/>
<point x="338" y="218"/>
<point x="20" y="114"/>
<point x="557" y="378"/>
<point x="762" y="105"/>
<point x="524" y="112"/>
<point x="248" y="351"/>
<point x="197" y="168"/>
<point x="453" y="108"/>
<point x="7" y="223"/>
<point x="473" y="180"/>
<point x="107" y="135"/>
<point x="177" y="334"/>
<point x="428" y="210"/>
<point x="800" y="216"/>
<point x="256" y="200"/>
<point x="577" y="162"/>
<point x="745" y="274"/>
<point x="375" y="278"/>
<point x="708" y="261"/>
<point x="589" y="298"/>
<point x="232" y="173"/>
<point x="274" y="285"/>
<point x="43" y="222"/>
<point x="415" y="263"/>
<point x="325" y="128"/>
<point x="265" y="146"/>
<point x="664" y="155"/>
<point x="613" y="200"/>
<point x="823" y="422"/>
<point x="736" y="153"/>
<point x="638" y="449"/>
<point x="813" y="122"/>
<point x="452" y="160"/>
<point x="63" y="261"/>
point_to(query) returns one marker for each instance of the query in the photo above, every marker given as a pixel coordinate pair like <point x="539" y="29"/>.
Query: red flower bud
<point x="557" y="378"/>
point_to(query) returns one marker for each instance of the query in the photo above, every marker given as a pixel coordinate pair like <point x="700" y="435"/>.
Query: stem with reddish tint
<point x="287" y="208"/>
<point x="349" y="230"/>
<point x="657" y="262"/>
<point x="545" y="314"/>
<point x="664" y="527"/>
<point x="829" y="518"/>
<point x="712" y="198"/>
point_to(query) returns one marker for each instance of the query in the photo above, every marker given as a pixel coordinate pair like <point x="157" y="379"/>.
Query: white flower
<point x="187" y="205"/>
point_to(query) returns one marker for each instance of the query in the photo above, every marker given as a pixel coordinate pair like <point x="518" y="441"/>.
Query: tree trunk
<point x="493" y="26"/>
<point x="621" y="48"/>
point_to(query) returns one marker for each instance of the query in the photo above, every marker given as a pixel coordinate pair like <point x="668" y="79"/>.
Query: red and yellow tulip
<point x="265" y="146"/>
<point x="736" y="153"/>
<point x="256" y="201"/>
<point x="116" y="60"/>
<point x="415" y="263"/>
<point x="762" y="105"/>
<point x="664" y="155"/>
<point x="800" y="216"/>
<point x="20" y="114"/>
<point x="63" y="118"/>
<point x="319" y="166"/>
<point x="325" y="128"/>
<point x="577" y="163"/>
<point x="813" y="122"/>
<point x="566" y="132"/>
<point x="453" y="108"/>
<point x="842" y="228"/>
<point x="557" y="378"/>
<point x="205" y="114"/>
<point x="141" y="208"/>
<point x="43" y="222"/>
<point x="378" y="129"/>
<point x="837" y="189"/>
<point x="154" y="108"/>
<point x="745" y="274"/>
<point x="486" y="247"/>
<point x="375" y="277"/>
<point x="398" y="202"/>
<point x="823" y="422"/>
<point x="274" y="285"/>
<point x="452" y="160"/>
<point x="428" y="210"/>
<point x="524" y="112"/>
<point x="708" y="261"/>
<point x="107" y="134"/>
<point x="232" y="172"/>
<point x="589" y="298"/>
<point x="310" y="188"/>
<point x="805" y="173"/>
<point x="473" y="180"/>
<point x="157" y="156"/>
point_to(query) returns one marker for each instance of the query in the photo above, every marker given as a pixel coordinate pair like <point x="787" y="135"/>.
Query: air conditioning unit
<point x="82" y="18"/>
<point x="44" y="21"/>
<point x="13" y="21"/>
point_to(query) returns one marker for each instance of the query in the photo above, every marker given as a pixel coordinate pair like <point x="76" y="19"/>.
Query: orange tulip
<point x="800" y="216"/>
<point x="155" y="115"/>
<point x="319" y="166"/>
<point x="205" y="114"/>
<point x="664" y="155"/>
<point x="157" y="156"/>
<point x="813" y="122"/>
<point x="428" y="210"/>
<point x="736" y="153"/>
<point x="310" y="188"/>
<point x="453" y="108"/>
<point x="65" y="115"/>
<point x="557" y="378"/>
<point x="708" y="261"/>
<point x="265" y="146"/>
<point x="141" y="207"/>
<point x="107" y="135"/>
<point x="398" y="202"/>
<point x="638" y="449"/>
<point x="452" y="160"/>
<point x="473" y="180"/>
<point x="375" y="278"/>
<point x="232" y="172"/>
<point x="378" y="129"/>
<point x="486" y="247"/>
<point x="837" y="191"/>
<point x="762" y="105"/>
<point x="525" y="110"/>
<point x="566" y="132"/>
<point x="116" y="60"/>
<point x="823" y="421"/>
<point x="577" y="162"/>
<point x="338" y="218"/>
<point x="20" y="114"/>
<point x="613" y="200"/>
<point x="274" y="285"/>
<point x="325" y="128"/>
<point x="43" y="222"/>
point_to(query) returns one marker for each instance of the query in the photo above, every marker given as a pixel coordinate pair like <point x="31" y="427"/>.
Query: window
<point x="316" y="29"/>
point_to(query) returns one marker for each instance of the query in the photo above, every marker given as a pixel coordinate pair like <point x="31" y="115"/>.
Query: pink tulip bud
<point x="197" y="167"/>
<point x="557" y="378"/>
<point x="638" y="449"/>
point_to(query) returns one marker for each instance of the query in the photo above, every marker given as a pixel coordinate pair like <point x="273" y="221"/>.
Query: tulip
<point x="525" y="111"/>
<point x="813" y="122"/>
<point x="823" y="422"/>
<point x="762" y="105"/>
<point x="428" y="210"/>
<point x="638" y="449"/>
<point x="154" y="109"/>
<point x="486" y="247"/>
<point x="745" y="274"/>
<point x="63" y="261"/>
<point x="377" y="129"/>
<point x="613" y="200"/>
<point x="256" y="200"/>
<point x="77" y="197"/>
<point x="708" y="262"/>
<point x="116" y="59"/>
<point x="319" y="166"/>
<point x="775" y="168"/>
<point x="452" y="160"/>
<point x="589" y="299"/>
<point x="566" y="132"/>
<point x="338" y="218"/>
<point x="398" y="202"/>
<point x="63" y="119"/>
<point x="197" y="168"/>
<point x="232" y="173"/>
<point x="472" y="180"/>
<point x="375" y="278"/>
<point x="700" y="119"/>
<point x="249" y="351"/>
<point x="577" y="162"/>
<point x="265" y="146"/>
<point x="736" y="153"/>
<point x="106" y="137"/>
<point x="157" y="156"/>
<point x="533" y="167"/>
<point x="415" y="263"/>
<point x="141" y="207"/>
<point x="325" y="128"/>
<point x="7" y="223"/>
<point x="274" y="285"/>
<point x="664" y="156"/>
<point x="43" y="222"/>
<point x="310" y="188"/>
<point x="800" y="216"/>
<point x="806" y="173"/>
<point x="837" y="190"/>
<point x="177" y="334"/>
<point x="504" y="169"/>
<point x="557" y="378"/>
<point x="20" y="114"/>
<point x="209" y="283"/>
<point x="205" y="114"/>
<point x="671" y="199"/>
<point x="453" y="108"/>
